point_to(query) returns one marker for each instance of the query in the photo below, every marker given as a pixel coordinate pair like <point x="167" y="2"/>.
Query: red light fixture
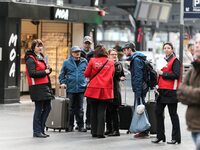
<point x="102" y="13"/>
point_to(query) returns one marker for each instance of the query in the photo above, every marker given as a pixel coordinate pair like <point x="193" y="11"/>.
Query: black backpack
<point x="150" y="75"/>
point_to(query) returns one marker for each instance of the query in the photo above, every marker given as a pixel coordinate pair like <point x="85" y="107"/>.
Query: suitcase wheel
<point x="46" y="128"/>
<point x="59" y="130"/>
<point x="128" y="132"/>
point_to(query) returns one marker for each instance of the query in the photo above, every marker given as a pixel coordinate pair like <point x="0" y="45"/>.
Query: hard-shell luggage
<point x="59" y="115"/>
<point x="151" y="107"/>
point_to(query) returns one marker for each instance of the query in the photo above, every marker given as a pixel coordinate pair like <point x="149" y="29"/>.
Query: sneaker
<point x="141" y="135"/>
<point x="82" y="130"/>
<point x="39" y="135"/>
<point x="46" y="134"/>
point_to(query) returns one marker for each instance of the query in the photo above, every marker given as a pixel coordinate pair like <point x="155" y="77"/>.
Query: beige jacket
<point x="189" y="94"/>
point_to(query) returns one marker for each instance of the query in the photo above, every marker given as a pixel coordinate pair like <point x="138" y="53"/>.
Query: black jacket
<point x="119" y="72"/>
<point x="38" y="92"/>
<point x="169" y="96"/>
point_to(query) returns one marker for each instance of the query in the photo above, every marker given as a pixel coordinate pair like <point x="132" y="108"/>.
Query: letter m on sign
<point x="13" y="39"/>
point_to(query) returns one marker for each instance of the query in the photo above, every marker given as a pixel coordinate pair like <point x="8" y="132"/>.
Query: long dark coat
<point x="119" y="72"/>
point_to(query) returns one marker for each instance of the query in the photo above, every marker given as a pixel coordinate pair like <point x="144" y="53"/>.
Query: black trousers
<point x="88" y="112"/>
<point x="98" y="112"/>
<point x="76" y="109"/>
<point x="112" y="117"/>
<point x="172" y="108"/>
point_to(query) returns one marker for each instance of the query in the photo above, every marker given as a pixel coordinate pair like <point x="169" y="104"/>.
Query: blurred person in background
<point x="119" y="49"/>
<point x="189" y="94"/>
<point x="112" y="111"/>
<point x="188" y="54"/>
<point x="169" y="78"/>
<point x="72" y="77"/>
<point x="37" y="72"/>
<point x="99" y="91"/>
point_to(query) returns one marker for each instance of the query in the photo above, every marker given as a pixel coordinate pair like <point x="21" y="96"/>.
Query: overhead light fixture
<point x="152" y="11"/>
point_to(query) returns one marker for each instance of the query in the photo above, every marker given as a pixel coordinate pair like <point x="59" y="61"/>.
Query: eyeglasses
<point x="113" y="54"/>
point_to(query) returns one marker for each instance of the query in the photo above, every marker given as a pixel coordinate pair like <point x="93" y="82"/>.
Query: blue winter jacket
<point x="137" y="68"/>
<point x="73" y="75"/>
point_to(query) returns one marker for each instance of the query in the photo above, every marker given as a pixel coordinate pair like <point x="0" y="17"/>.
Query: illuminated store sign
<point x="62" y="14"/>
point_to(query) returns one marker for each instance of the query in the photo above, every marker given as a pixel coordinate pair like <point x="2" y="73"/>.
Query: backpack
<point x="150" y="75"/>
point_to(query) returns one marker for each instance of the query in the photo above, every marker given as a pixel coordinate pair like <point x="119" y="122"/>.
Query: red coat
<point x="101" y="86"/>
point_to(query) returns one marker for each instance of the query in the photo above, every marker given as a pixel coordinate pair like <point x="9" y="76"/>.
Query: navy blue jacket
<point x="137" y="68"/>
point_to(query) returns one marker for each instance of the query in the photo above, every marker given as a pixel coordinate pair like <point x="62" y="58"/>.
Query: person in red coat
<point x="99" y="91"/>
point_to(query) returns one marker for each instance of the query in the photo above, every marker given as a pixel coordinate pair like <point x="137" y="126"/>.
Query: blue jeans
<point x="76" y="109"/>
<point x="42" y="109"/>
<point x="196" y="139"/>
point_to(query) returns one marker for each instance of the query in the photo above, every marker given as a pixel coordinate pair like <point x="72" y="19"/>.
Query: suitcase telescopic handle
<point x="125" y="91"/>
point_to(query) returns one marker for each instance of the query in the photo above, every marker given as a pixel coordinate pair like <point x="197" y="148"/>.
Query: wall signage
<point x="12" y="45"/>
<point x="191" y="9"/>
<point x="61" y="14"/>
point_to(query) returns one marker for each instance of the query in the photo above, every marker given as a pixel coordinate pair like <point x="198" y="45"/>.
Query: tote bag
<point x="139" y="122"/>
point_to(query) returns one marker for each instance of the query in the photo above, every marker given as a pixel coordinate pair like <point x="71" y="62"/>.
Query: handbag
<point x="139" y="122"/>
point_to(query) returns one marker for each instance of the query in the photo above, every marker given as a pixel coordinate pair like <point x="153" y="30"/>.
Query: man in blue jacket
<point x="139" y="87"/>
<point x="72" y="77"/>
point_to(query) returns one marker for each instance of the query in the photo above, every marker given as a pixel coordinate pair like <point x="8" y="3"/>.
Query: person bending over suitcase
<point x="72" y="77"/>
<point x="37" y="72"/>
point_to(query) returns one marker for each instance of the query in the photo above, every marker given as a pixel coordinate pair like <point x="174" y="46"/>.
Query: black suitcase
<point x="59" y="115"/>
<point x="150" y="107"/>
<point x="125" y="115"/>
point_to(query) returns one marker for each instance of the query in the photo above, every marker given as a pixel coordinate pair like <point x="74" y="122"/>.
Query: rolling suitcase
<point x="125" y="113"/>
<point x="59" y="115"/>
<point x="151" y="107"/>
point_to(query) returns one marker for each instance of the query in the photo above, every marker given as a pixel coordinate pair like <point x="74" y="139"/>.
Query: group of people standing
<point x="95" y="74"/>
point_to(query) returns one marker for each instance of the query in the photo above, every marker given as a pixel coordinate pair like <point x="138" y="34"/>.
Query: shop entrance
<point x="57" y="38"/>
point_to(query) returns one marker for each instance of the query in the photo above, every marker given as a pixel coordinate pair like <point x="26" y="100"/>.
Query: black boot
<point x="156" y="141"/>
